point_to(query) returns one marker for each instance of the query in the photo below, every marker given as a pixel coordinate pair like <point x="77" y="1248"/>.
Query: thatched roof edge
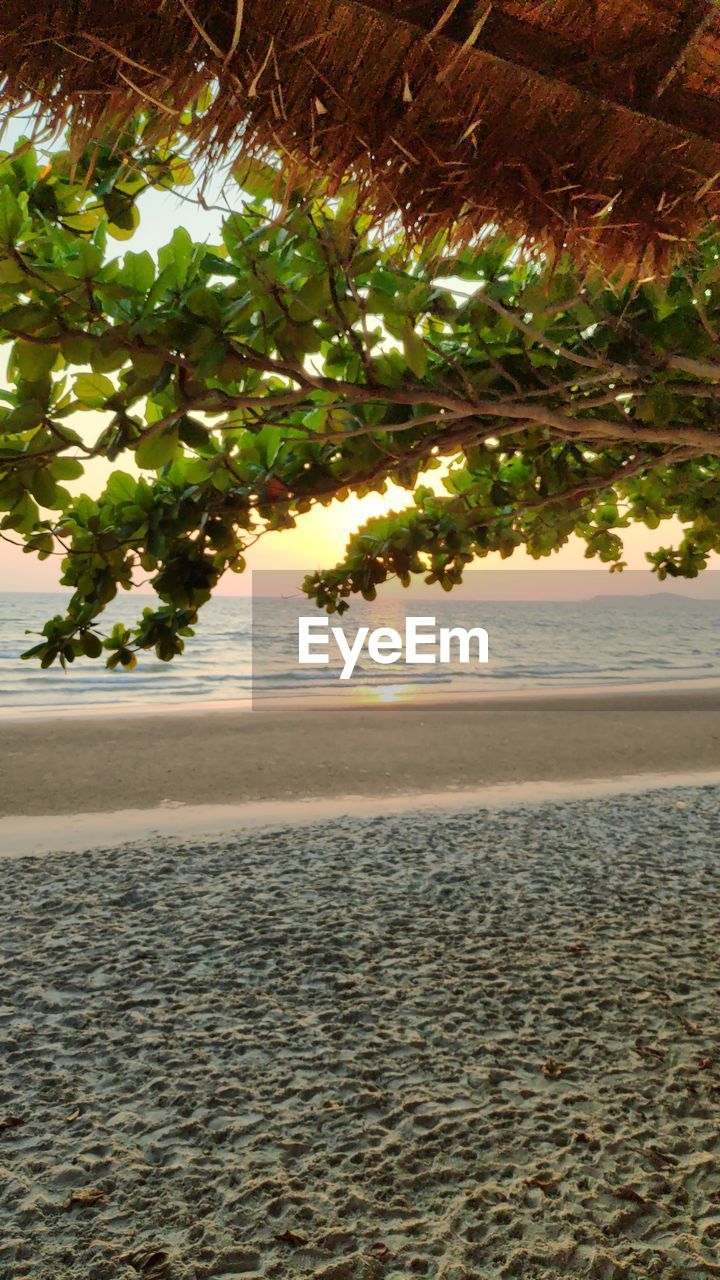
<point x="442" y="132"/>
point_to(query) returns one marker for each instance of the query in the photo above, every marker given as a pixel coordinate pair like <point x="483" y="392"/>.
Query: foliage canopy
<point x="303" y="358"/>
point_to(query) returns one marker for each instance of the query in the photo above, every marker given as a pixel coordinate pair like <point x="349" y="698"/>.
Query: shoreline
<point x="106" y="764"/>
<point x="175" y="823"/>
<point x="363" y="697"/>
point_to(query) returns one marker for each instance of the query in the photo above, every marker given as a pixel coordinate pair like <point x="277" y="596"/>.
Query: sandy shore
<point x="480" y="1045"/>
<point x="78" y="765"/>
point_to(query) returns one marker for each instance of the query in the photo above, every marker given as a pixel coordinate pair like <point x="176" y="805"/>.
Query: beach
<point x="345" y="993"/>
<point x="105" y="762"/>
<point x="464" y="1045"/>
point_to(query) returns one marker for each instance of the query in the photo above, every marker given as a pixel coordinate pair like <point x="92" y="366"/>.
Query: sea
<point x="245" y="653"/>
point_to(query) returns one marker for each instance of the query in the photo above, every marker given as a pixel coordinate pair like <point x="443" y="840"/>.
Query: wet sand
<point x="466" y="1046"/>
<point x="101" y="763"/>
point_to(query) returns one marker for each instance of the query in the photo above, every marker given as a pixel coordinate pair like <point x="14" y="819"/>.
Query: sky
<point x="321" y="535"/>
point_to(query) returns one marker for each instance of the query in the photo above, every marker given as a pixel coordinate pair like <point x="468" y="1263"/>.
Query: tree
<point x="306" y="357"/>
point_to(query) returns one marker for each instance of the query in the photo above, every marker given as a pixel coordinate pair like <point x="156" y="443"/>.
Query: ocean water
<point x="242" y="652"/>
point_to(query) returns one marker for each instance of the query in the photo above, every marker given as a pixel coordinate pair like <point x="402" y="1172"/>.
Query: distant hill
<point x="652" y="597"/>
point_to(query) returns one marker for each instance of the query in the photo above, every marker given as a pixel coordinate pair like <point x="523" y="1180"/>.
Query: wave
<point x="235" y="655"/>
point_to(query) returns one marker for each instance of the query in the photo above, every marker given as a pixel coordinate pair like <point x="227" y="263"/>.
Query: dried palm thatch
<point x="588" y="123"/>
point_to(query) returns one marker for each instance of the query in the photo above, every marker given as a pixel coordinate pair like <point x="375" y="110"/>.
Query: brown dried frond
<point x="591" y="127"/>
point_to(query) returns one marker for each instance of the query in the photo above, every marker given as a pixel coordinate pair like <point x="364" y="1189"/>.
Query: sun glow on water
<point x="392" y="694"/>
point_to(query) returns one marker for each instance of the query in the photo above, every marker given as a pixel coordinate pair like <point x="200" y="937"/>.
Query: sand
<point x="101" y="763"/>
<point x="464" y="1046"/>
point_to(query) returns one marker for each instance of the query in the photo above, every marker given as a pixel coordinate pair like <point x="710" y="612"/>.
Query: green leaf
<point x="44" y="489"/>
<point x="11" y="217"/>
<point x="138" y="272"/>
<point x="177" y="256"/>
<point x="77" y="350"/>
<point x="89" y="260"/>
<point x="91" y="644"/>
<point x="269" y="441"/>
<point x="33" y="361"/>
<point x="67" y="468"/>
<point x="11" y="273"/>
<point x="193" y="433"/>
<point x="415" y="350"/>
<point x="121" y="487"/>
<point x="156" y="450"/>
<point x="118" y="232"/>
<point x="28" y="414"/>
<point x="181" y="172"/>
<point x="121" y="211"/>
<point x="93" y="390"/>
<point x="258" y="178"/>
